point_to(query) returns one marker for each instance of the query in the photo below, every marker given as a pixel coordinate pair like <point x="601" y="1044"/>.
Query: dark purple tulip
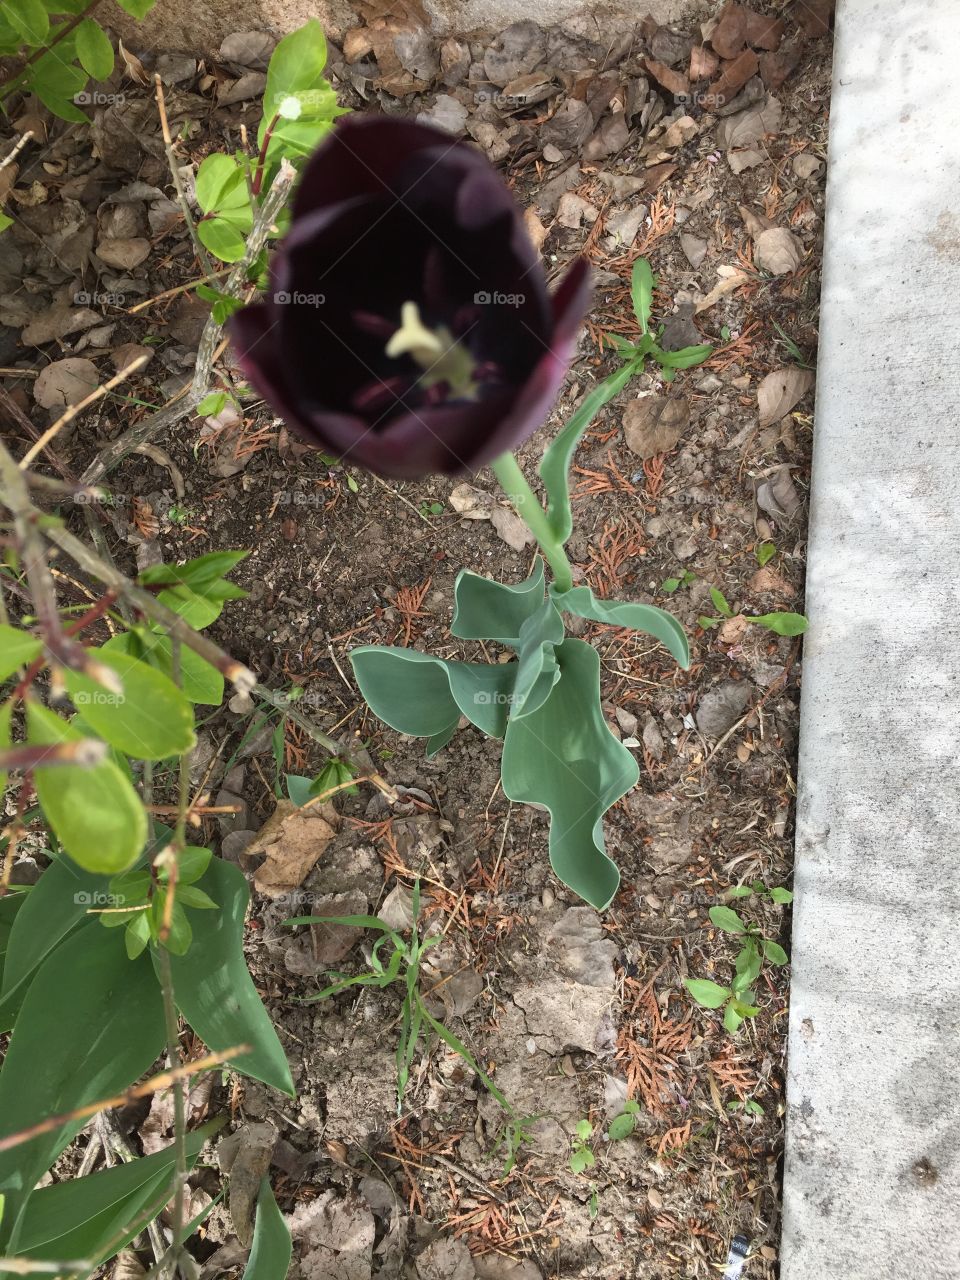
<point x="396" y="226"/>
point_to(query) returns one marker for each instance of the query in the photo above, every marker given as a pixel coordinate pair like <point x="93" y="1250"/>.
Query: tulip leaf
<point x="272" y="1244"/>
<point x="149" y="720"/>
<point x="95" y="812"/>
<point x="419" y="694"/>
<point x="91" y="1024"/>
<point x="488" y="610"/>
<point x="622" y="613"/>
<point x="213" y="988"/>
<point x="537" y="670"/>
<point x="564" y="756"/>
<point x="555" y="463"/>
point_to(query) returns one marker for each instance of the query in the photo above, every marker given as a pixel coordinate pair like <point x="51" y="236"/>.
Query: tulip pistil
<point x="444" y="361"/>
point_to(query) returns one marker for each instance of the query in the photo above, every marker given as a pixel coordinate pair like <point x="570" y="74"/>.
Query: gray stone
<point x="722" y="707"/>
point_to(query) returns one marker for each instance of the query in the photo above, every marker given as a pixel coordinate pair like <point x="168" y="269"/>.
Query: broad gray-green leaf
<point x="149" y="720"/>
<point x="784" y="624"/>
<point x="213" y="987"/>
<point x="488" y="610"/>
<point x="566" y="758"/>
<point x="272" y="1245"/>
<point x="17" y="648"/>
<point x="555" y="463"/>
<point x="624" y="613"/>
<point x="95" y="813"/>
<point x="537" y="670"/>
<point x="91" y="1024"/>
<point x="419" y="694"/>
<point x="10" y="905"/>
<point x="84" y="1217"/>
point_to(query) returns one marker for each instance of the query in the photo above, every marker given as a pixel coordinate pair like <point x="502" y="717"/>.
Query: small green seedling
<point x="783" y="624"/>
<point x="428" y="509"/>
<point x="746" y="1104"/>
<point x="782" y="897"/>
<point x="396" y="960"/>
<point x="582" y="1157"/>
<point x="765" y="551"/>
<point x="335" y="775"/>
<point x="623" y="1125"/>
<point x="737" y="999"/>
<point x="792" y="349"/>
<point x="634" y="355"/>
<point x="670" y="585"/>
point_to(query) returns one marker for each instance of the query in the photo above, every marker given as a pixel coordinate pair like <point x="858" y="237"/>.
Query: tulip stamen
<point x="447" y="364"/>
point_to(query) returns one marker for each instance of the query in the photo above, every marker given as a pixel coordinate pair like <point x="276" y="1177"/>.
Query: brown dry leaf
<point x="730" y="279"/>
<point x="779" y="392"/>
<point x="65" y="382"/>
<point x="756" y="223"/>
<point x="730" y="34"/>
<point x="653" y="424"/>
<point x="778" y="251"/>
<point x="656" y="176"/>
<point x="535" y="228"/>
<point x="510" y="528"/>
<point x="292" y="840"/>
<point x="749" y="126"/>
<point x="777" y="495"/>
<point x="735" y="75"/>
<point x="703" y="63"/>
<point x="123" y="356"/>
<point x="8" y="180"/>
<point x="471" y="503"/>
<point x="767" y="581"/>
<point x="123" y="254"/>
<point x="245" y="1155"/>
<point x="135" y="68"/>
<point x="674" y="82"/>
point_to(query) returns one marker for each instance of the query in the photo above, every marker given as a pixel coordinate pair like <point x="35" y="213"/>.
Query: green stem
<point x="514" y="485"/>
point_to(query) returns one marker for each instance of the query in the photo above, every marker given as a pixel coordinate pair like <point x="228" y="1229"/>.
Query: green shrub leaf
<point x="213" y="987"/>
<point x="95" y="813"/>
<point x="17" y="648"/>
<point x="150" y="720"/>
<point x="726" y="918"/>
<point x="710" y="994"/>
<point x="94" y="49"/>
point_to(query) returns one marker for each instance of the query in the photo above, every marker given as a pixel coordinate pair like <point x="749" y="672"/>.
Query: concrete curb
<point x="873" y="1134"/>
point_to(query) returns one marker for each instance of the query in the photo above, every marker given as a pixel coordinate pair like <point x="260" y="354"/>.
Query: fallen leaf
<point x="777" y="495"/>
<point x="679" y="133"/>
<point x="124" y="355"/>
<point x="748" y="158"/>
<point x="778" y="251"/>
<point x="764" y="31"/>
<point x="510" y="528"/>
<point x="656" y="176"/>
<point x="535" y="228"/>
<point x="674" y="82"/>
<point x="471" y="503"/>
<point x="735" y="76"/>
<point x="292" y="840"/>
<point x="749" y="126"/>
<point x="756" y="223"/>
<point x="245" y="1155"/>
<point x="779" y="392"/>
<point x="775" y="67"/>
<point x="331" y="942"/>
<point x="123" y="254"/>
<point x="135" y="68"/>
<point x="703" y="63"/>
<point x="730" y="33"/>
<point x="653" y="424"/>
<point x="805" y="166"/>
<point x="767" y="581"/>
<point x="695" y="249"/>
<point x="730" y="279"/>
<point x="65" y="382"/>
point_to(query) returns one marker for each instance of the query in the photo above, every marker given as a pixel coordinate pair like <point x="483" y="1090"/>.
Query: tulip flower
<point x="407" y="327"/>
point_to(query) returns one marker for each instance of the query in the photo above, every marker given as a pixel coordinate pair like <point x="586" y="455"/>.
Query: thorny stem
<point x="514" y="484"/>
<point x="202" y="255"/>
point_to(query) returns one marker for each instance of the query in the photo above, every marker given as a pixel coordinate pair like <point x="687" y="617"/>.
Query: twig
<point x="209" y="341"/>
<point x="66" y="418"/>
<point x="200" y="251"/>
<point x="12" y="155"/>
<point x="10" y="406"/>
<point x="162" y="1081"/>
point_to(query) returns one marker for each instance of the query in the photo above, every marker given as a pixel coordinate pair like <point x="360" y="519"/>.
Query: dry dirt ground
<point x="569" y="1012"/>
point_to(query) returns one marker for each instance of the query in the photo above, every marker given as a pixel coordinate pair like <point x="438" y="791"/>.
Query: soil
<point x="569" y="1012"/>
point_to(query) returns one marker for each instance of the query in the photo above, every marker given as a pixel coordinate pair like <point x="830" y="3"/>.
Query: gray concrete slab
<point x="872" y="1187"/>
